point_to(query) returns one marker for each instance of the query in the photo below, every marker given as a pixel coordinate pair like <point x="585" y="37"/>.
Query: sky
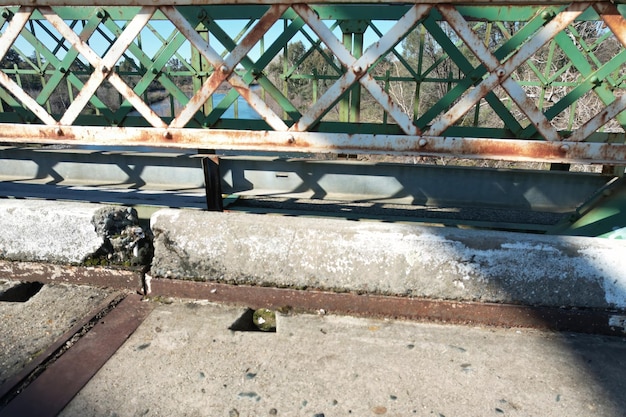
<point x="151" y="43"/>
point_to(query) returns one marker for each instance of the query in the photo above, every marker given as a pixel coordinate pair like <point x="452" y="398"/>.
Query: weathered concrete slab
<point x="68" y="232"/>
<point x="390" y="258"/>
<point x="29" y="326"/>
<point x="184" y="360"/>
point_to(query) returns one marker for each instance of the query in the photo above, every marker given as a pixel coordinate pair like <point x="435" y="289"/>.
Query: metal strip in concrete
<point x="48" y="273"/>
<point x="490" y="314"/>
<point x="487" y="314"/>
<point x="62" y="380"/>
<point x="15" y="384"/>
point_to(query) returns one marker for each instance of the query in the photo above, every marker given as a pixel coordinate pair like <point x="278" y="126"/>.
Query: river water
<point x="240" y="109"/>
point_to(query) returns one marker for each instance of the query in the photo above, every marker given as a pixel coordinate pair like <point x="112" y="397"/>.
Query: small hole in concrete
<point x="261" y="320"/>
<point x="21" y="293"/>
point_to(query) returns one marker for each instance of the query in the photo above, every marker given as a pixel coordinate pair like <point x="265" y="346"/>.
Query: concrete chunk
<point x="389" y="258"/>
<point x="65" y="232"/>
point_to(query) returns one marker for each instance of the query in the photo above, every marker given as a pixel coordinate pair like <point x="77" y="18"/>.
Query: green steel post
<point x="344" y="104"/>
<point x="355" y="100"/>
<point x="202" y="68"/>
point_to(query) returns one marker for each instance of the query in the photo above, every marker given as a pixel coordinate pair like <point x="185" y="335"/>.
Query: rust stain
<point x="510" y="149"/>
<point x="613" y="19"/>
<point x="503" y="148"/>
<point x="585" y="321"/>
<point x="369" y="305"/>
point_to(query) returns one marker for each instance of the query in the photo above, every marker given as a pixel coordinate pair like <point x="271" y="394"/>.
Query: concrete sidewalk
<point x="184" y="361"/>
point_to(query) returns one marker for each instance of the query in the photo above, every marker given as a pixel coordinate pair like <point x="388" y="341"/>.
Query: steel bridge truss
<point x="523" y="81"/>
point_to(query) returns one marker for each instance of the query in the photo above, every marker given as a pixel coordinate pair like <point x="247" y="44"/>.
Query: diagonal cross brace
<point x="357" y="68"/>
<point x="503" y="71"/>
<point x="480" y="50"/>
<point x="103" y="66"/>
<point x="225" y="68"/>
<point x="6" y="40"/>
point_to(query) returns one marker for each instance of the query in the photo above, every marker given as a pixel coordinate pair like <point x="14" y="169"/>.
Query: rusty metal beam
<point x="63" y="379"/>
<point x="584" y="321"/>
<point x="17" y="382"/>
<point x="313" y="142"/>
<point x="62" y="274"/>
<point x="53" y="3"/>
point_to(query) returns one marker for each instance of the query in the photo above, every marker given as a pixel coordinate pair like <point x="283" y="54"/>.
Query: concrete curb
<point x="390" y="259"/>
<point x="331" y="254"/>
<point x="61" y="232"/>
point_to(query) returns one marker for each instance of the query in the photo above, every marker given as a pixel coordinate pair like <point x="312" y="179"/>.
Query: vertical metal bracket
<point x="212" y="182"/>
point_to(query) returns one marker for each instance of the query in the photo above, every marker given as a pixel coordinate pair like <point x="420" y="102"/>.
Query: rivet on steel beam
<point x="58" y="131"/>
<point x="104" y="69"/>
<point x="500" y="72"/>
<point x="358" y="69"/>
<point x="291" y="140"/>
<point x="101" y="14"/>
<point x="167" y="135"/>
<point x="548" y="15"/>
<point x="595" y="80"/>
<point x="155" y="71"/>
<point x="422" y="142"/>
<point x="6" y="14"/>
<point x="564" y="148"/>
<point x="63" y="70"/>
<point x="224" y="69"/>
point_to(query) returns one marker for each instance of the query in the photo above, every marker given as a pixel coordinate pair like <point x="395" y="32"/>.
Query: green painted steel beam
<point x="603" y="215"/>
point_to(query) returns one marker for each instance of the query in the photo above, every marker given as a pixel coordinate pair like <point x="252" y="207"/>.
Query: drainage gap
<point x="21" y="292"/>
<point x="261" y="320"/>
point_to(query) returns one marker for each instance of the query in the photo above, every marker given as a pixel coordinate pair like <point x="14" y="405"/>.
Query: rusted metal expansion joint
<point x="366" y="305"/>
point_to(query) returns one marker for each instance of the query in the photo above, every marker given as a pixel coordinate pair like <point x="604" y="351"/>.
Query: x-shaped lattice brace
<point x="357" y="68"/>
<point x="225" y="67"/>
<point x="500" y="72"/>
<point x="16" y="25"/>
<point x="616" y="22"/>
<point x="102" y="66"/>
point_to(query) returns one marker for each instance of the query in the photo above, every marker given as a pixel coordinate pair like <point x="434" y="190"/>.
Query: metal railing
<point x="519" y="81"/>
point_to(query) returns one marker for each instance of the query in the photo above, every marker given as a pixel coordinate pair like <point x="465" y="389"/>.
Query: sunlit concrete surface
<point x="184" y="361"/>
<point x="389" y="258"/>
